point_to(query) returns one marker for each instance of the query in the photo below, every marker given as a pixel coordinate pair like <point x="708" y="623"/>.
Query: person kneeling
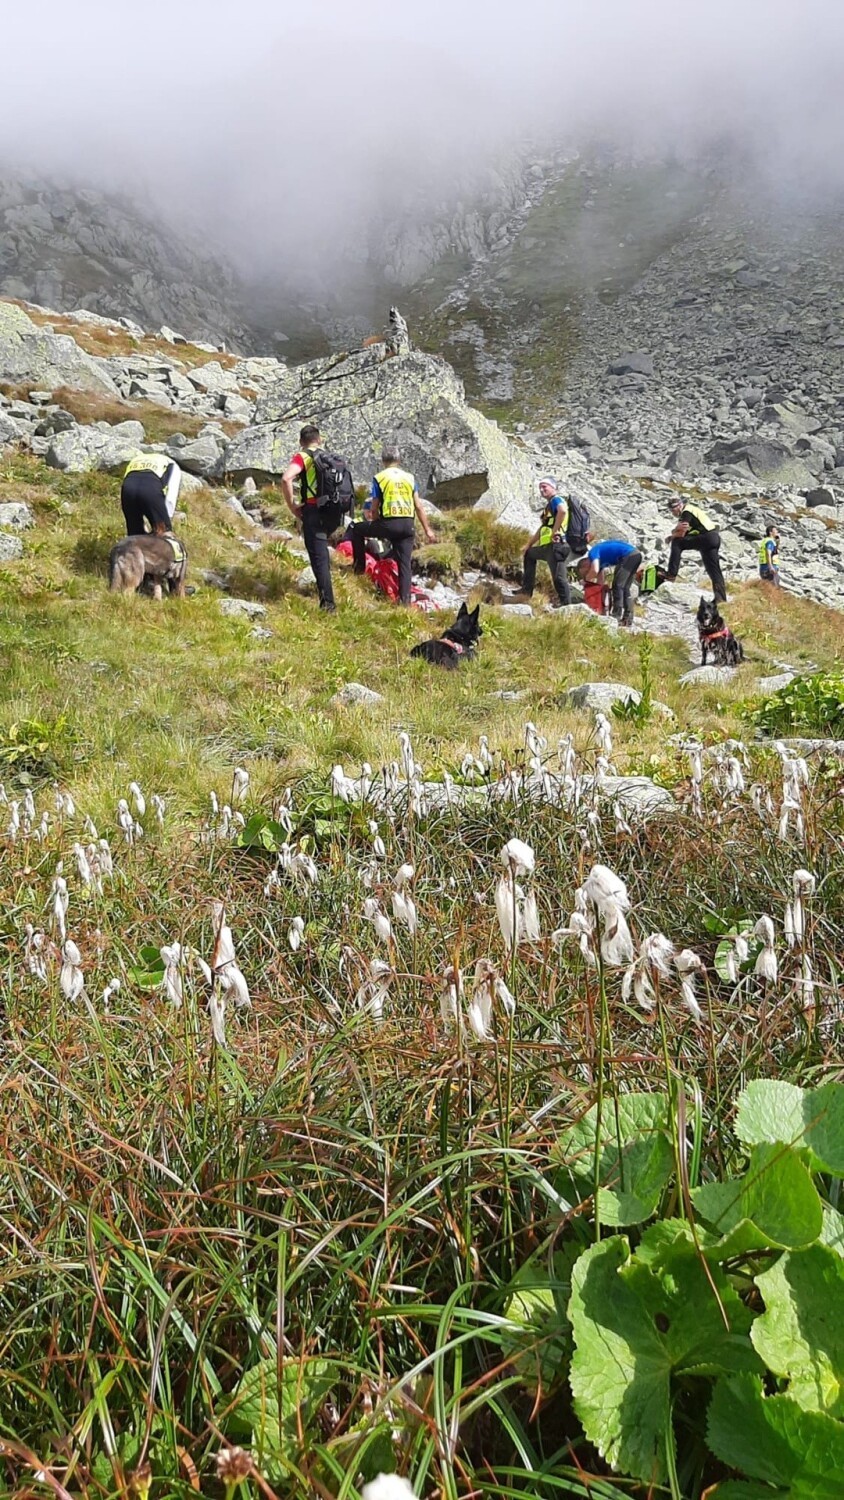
<point x="624" y="559"/>
<point x="395" y="502"/>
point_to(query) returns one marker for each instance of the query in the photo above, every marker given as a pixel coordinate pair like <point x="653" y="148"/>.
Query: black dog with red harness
<point x="716" y="637"/>
<point x="455" y="645"/>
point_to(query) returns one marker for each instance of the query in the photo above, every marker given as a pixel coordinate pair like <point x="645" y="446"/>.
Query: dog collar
<point x="453" y="646"/>
<point x="715" y="635"/>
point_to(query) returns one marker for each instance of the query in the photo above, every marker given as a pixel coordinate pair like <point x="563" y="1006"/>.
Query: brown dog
<point x="160" y="558"/>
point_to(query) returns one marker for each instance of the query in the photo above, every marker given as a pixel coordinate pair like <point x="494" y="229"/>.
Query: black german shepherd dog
<point x="716" y="637"/>
<point x="456" y="644"/>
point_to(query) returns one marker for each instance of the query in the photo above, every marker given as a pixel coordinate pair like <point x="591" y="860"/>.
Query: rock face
<point x="358" y="400"/>
<point x="71" y="248"/>
<point x="30" y="353"/>
<point x="101" y="447"/>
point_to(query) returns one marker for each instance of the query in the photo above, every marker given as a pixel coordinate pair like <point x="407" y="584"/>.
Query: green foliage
<point x="538" y="1342"/>
<point x="806" y="705"/>
<point x="632" y="1185"/>
<point x="272" y="1408"/>
<point x="771" y="1109"/>
<point x="800" y="1335"/>
<point x="774" y="1204"/>
<point x="640" y="711"/>
<point x="32" y="750"/>
<point x="799" y="1454"/>
<point x="639" y="1326"/>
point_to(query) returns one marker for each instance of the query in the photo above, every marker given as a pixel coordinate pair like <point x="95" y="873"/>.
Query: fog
<point x="284" y="134"/>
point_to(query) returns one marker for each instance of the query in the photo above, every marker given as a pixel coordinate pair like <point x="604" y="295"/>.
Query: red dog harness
<point x="714" y="635"/>
<point x="453" y="645"/>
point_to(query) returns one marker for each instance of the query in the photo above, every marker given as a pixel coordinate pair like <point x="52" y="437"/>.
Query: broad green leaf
<point x="629" y="1191"/>
<point x="271" y="1415"/>
<point x="800" y="1335"/>
<point x="771" y="1438"/>
<point x="774" y="1205"/>
<point x="771" y="1110"/>
<point x="261" y="832"/>
<point x="832" y="1232"/>
<point x="637" y="1325"/>
<point x="540" y="1343"/>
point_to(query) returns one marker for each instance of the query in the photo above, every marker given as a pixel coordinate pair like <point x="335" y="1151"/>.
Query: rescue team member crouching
<point x="149" y="492"/>
<point x="395" y="503"/>
<point x="695" y="532"/>
<point x="769" y="552"/>
<point x="625" y="561"/>
<point x="319" y="522"/>
<point x="548" y="544"/>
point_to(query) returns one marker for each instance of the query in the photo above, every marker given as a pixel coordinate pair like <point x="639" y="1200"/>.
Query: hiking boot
<point x="328" y="607"/>
<point x="520" y="598"/>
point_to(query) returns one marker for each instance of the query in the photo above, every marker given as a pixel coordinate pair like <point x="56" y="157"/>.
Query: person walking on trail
<point x="625" y="561"/>
<point x="395" y="504"/>
<point x="769" y="551"/>
<point x="548" y="544"/>
<point x="695" y="532"/>
<point x="319" y="522"/>
<point x="149" y="492"/>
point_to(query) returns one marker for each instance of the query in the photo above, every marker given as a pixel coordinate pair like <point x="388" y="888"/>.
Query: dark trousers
<point x="622" y="579"/>
<point x="142" y="498"/>
<point x="399" y="532"/>
<point x="709" y="546"/>
<point x="318" y="524"/>
<point x="770" y="575"/>
<point x="554" y="554"/>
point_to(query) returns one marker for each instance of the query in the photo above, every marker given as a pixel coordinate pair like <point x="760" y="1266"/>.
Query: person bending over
<point x="395" y="503"/>
<point x="625" y="561"/>
<point x="149" y="492"/>
<point x="695" y="532"/>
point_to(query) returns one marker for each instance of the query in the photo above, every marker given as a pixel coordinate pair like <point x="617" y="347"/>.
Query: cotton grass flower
<point x="688" y="966"/>
<point x="294" y="933"/>
<point x="451" y="994"/>
<point x="159" y="807"/>
<point x="656" y="953"/>
<point x="240" y="785"/>
<point x="171" y="984"/>
<point x="372" y="993"/>
<point x="71" y="980"/>
<point x="35" y="954"/>
<point x="60" y="902"/>
<point x="111" y="989"/>
<point x="379" y="919"/>
<point x="223" y="961"/>
<point x="388" y="1487"/>
<point x="766" y="966"/>
<point x="138" y="799"/>
<point x="488" y="987"/>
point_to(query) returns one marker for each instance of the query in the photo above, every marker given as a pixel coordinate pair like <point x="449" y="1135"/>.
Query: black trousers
<point x="622" y="579"/>
<point x="400" y="533"/>
<point x="709" y="547"/>
<point x="318" y="524"/>
<point x="142" y="498"/>
<point x="554" y="554"/>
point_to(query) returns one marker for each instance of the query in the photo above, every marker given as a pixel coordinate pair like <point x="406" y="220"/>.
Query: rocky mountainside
<point x="73" y="248"/>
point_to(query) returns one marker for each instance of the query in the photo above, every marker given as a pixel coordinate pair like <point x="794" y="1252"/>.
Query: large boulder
<point x="102" y="447"/>
<point x="10" y="430"/>
<point x="204" y="455"/>
<point x="765" y="458"/>
<point x="458" y="456"/>
<point x="602" y="696"/>
<point x="30" y="353"/>
<point x="15" y="515"/>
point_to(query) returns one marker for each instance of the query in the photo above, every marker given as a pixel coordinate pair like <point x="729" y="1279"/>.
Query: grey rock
<point x="457" y="455"/>
<point x="355" y="695"/>
<point x="821" y="495"/>
<point x="707" y="676"/>
<point x="765" y="458"/>
<point x="204" y="456"/>
<point x="83" y="448"/>
<point x="30" y="353"/>
<point x="40" y="398"/>
<point x="600" y="696"/>
<point x="306" y="580"/>
<point x="242" y="609"/>
<point x="684" y="459"/>
<point x="773" y="684"/>
<point x="517" y="609"/>
<point x="212" y="377"/>
<point x="11" y="547"/>
<point x="232" y="503"/>
<point x="56" y="419"/>
<point x="10" y="430"/>
<point x="639" y="796"/>
<point x="635" y="363"/>
<point x="587" y="436"/>
<point x="15" y="515"/>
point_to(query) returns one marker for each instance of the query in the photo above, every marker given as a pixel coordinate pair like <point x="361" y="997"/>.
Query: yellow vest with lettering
<point x="155" y="463"/>
<point x="700" y="515"/>
<point x="397" y="487"/>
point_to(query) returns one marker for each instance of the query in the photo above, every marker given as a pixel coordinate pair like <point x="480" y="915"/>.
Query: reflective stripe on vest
<point x="767" y="558"/>
<point x="308" y="480"/>
<point x="700" y="516"/>
<point x="155" y="463"/>
<point x="178" y="549"/>
<point x="548" y="521"/>
<point x="396" y="487"/>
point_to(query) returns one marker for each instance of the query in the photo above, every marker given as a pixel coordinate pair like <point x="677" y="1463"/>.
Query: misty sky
<point x="210" y="106"/>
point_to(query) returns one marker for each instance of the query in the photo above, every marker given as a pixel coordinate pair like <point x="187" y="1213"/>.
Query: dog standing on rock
<point x="716" y="637"/>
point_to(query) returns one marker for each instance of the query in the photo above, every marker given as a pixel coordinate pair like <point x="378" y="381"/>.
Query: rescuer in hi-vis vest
<point x="769" y="553"/>
<point x="695" y="532"/>
<point x="149" y="492"/>
<point x="395" y="506"/>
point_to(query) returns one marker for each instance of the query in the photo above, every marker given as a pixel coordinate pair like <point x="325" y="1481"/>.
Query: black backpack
<point x="335" y="485"/>
<point x="579" y="527"/>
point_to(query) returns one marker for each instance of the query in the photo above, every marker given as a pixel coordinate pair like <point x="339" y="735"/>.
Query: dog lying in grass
<point x="456" y="644"/>
<point x="159" y="558"/>
<point x="716" y="637"/>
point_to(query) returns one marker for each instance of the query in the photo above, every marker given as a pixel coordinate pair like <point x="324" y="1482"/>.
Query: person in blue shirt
<point x="625" y="561"/>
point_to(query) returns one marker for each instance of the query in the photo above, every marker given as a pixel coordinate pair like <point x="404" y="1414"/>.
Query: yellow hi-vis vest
<point x="768" y="559"/>
<point x="178" y="549"/>
<point x="155" y="463"/>
<point x="397" y="487"/>
<point x="549" y="517"/>
<point x="308" y="481"/>
<point x="701" y="517"/>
